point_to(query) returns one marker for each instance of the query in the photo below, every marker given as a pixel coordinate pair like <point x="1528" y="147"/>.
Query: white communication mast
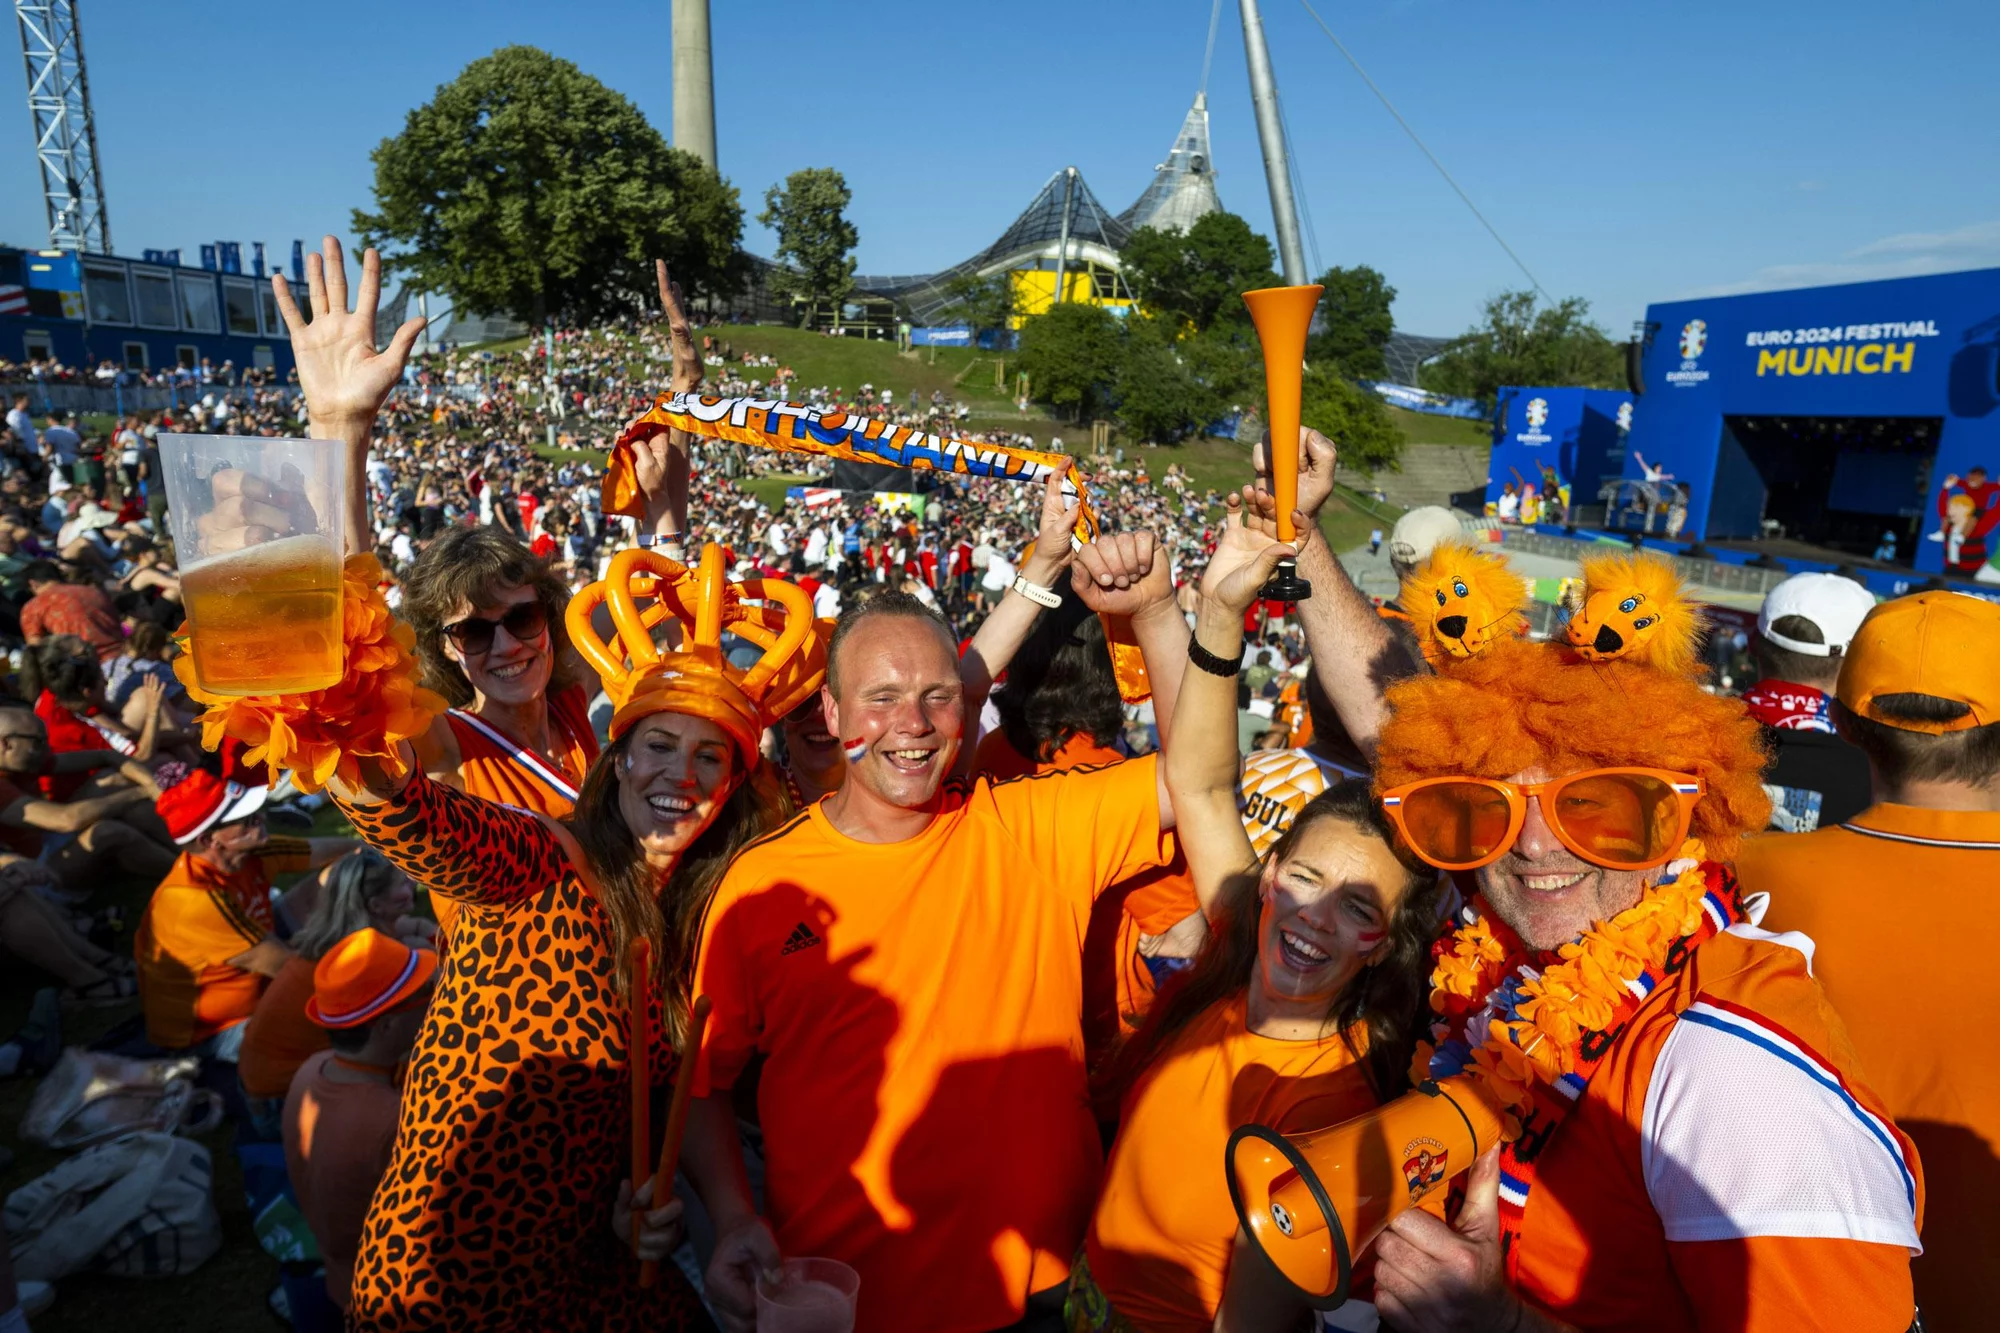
<point x="65" y="135"/>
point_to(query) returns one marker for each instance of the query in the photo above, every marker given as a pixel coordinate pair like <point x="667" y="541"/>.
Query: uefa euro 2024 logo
<point x="1694" y="337"/>
<point x="1538" y="412"/>
<point x="1624" y="416"/>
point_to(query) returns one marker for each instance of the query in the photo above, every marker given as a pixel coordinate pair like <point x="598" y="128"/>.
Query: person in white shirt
<point x="779" y="538"/>
<point x="826" y="602"/>
<point x="22" y="424"/>
<point x="61" y="444"/>
<point x="816" y="543"/>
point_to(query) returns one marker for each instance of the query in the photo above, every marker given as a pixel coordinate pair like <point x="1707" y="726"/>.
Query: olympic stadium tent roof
<point x="1183" y="187"/>
<point x="1094" y="236"/>
<point x="1407" y="351"/>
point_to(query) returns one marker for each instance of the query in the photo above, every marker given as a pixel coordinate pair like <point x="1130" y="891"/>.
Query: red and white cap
<point x="202" y="801"/>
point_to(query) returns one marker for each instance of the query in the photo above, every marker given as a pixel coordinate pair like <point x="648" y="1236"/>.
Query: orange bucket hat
<point x="695" y="678"/>
<point x="365" y="976"/>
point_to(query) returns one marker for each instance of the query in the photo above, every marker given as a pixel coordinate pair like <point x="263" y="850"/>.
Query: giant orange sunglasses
<point x="1618" y="818"/>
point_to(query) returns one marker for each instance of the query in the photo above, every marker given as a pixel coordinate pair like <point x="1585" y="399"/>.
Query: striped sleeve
<point x="1750" y="1132"/>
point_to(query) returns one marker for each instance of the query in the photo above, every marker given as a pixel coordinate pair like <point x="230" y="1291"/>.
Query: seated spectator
<point x="78" y="839"/>
<point x="56" y="606"/>
<point x="148" y="569"/>
<point x="208" y="941"/>
<point x="64" y="679"/>
<point x="40" y="935"/>
<point x="369" y="993"/>
<point x="358" y="892"/>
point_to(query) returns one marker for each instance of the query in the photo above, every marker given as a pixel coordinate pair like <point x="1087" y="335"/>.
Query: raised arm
<point x="1201" y="768"/>
<point x="1355" y="652"/>
<point x="469" y="850"/>
<point x="344" y="379"/>
<point x="1008" y="625"/>
<point x="1129" y="574"/>
<point x="686" y="376"/>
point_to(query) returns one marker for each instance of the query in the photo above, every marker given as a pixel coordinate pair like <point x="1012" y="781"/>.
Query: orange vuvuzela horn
<point x="1313" y="1202"/>
<point x="1283" y="315"/>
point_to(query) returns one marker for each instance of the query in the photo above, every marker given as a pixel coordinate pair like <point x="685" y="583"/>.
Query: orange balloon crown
<point x="644" y="589"/>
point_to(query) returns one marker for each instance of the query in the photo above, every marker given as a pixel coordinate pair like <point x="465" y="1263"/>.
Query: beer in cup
<point x="807" y="1296"/>
<point x="258" y="532"/>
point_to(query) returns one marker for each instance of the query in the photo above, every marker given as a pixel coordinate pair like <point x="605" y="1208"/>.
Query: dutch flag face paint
<point x="856" y="749"/>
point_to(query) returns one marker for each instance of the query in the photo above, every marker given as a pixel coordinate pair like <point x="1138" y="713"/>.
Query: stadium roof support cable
<point x="1415" y="139"/>
<point x="1299" y="188"/>
<point x="1208" y="52"/>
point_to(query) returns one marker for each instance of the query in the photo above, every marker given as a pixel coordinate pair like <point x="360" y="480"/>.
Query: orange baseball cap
<point x="1938" y="643"/>
<point x="365" y="976"/>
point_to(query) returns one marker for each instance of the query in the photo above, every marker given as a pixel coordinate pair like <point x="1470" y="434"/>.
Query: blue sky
<point x="1628" y="153"/>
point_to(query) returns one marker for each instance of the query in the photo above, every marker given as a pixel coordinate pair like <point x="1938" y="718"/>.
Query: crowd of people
<point x="963" y="965"/>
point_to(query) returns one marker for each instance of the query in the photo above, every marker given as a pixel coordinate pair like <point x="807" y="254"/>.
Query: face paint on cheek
<point x="856" y="749"/>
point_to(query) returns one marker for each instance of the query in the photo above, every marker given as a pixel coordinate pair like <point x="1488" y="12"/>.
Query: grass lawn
<point x="227" y="1294"/>
<point x="1424" y="428"/>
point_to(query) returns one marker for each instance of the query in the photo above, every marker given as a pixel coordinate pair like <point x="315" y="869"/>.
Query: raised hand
<point x="1124" y="574"/>
<point x="1054" y="548"/>
<point x="343" y="377"/>
<point x="688" y="371"/>
<point x="1244" y="557"/>
<point x="1317" y="460"/>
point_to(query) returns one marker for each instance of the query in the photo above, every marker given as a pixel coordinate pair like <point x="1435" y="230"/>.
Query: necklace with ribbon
<point x="1534" y="1027"/>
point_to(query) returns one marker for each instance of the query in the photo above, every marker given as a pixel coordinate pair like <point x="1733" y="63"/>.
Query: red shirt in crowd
<point x="73" y="608"/>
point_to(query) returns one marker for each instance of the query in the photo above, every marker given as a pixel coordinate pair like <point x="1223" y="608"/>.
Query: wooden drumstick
<point x="677" y="1114"/>
<point x="640" y="1044"/>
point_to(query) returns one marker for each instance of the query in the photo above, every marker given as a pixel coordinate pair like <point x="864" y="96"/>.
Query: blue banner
<point x="1414" y="399"/>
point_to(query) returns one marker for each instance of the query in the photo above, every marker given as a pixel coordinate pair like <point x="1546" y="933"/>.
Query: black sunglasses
<point x="523" y="621"/>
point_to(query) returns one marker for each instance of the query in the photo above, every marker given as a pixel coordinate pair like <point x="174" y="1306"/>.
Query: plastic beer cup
<point x="808" y="1296"/>
<point x="258" y="527"/>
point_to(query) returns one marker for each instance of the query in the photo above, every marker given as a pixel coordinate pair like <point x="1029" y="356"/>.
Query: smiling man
<point x="907" y="956"/>
<point x="1697" y="1149"/>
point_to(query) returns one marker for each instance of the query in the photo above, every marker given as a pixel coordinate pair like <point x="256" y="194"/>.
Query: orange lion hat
<point x="1581" y="701"/>
<point x="695" y="678"/>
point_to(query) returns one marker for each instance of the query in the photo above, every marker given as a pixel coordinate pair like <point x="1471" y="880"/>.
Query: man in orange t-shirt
<point x="905" y="955"/>
<point x="1920" y="695"/>
<point x="208" y="941"/>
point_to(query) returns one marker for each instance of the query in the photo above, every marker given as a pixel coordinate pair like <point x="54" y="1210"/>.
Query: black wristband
<point x="1209" y="662"/>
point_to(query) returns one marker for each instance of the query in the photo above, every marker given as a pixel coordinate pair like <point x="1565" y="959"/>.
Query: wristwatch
<point x="1036" y="593"/>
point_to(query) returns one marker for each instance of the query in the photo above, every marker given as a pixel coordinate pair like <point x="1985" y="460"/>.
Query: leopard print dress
<point x="495" y="1212"/>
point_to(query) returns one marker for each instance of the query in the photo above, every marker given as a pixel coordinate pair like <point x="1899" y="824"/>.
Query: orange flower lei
<point x="366" y="715"/>
<point x="1534" y="1032"/>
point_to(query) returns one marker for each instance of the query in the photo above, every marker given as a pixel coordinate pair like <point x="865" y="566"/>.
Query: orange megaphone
<point x="1312" y="1202"/>
<point x="1283" y="316"/>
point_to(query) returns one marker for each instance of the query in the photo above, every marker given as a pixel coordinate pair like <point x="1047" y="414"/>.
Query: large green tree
<point x="809" y="214"/>
<point x="1072" y="353"/>
<point x="525" y="187"/>
<point x="1522" y="341"/>
<point x="1198" y="277"/>
<point x="1353" y="418"/>
<point x="1354" y="322"/>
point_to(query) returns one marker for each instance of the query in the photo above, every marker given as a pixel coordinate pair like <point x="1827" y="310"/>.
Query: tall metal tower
<point x="65" y="134"/>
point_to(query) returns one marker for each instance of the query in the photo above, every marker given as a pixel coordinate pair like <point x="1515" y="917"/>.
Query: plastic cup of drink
<point x="808" y="1296"/>
<point x="259" y="532"/>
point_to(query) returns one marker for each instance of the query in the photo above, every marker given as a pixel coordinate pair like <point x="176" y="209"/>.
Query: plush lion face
<point x="1633" y="606"/>
<point x="1461" y="600"/>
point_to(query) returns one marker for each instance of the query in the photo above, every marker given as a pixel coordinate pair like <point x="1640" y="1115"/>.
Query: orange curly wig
<point x="1520" y="705"/>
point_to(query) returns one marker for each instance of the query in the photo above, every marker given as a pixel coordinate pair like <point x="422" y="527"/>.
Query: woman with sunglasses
<point x="1301" y="1009"/>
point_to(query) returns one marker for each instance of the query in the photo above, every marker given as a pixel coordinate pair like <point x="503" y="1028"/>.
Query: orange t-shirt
<point x="496" y="767"/>
<point x="1881" y="896"/>
<point x="280" y="1036"/>
<point x="1118" y="987"/>
<point x="197" y="920"/>
<point x="1726" y="1167"/>
<point x="924" y="1101"/>
<point x="1165" y="1229"/>
<point x="338" y="1137"/>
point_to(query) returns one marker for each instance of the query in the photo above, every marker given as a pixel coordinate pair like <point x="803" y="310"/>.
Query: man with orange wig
<point x="1695" y="1149"/>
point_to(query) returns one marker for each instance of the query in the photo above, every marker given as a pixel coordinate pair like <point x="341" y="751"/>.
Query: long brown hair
<point x="1385" y="1002"/>
<point x="669" y="915"/>
<point x="465" y="567"/>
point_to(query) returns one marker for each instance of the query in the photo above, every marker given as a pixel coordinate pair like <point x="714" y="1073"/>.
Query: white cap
<point x="1833" y="602"/>
<point x="1418" y="532"/>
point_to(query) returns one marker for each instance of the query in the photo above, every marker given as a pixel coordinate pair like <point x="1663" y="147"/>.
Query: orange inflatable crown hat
<point x="644" y="589"/>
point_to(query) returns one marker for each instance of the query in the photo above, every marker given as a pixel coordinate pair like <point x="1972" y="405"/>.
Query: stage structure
<point x="65" y="134"/>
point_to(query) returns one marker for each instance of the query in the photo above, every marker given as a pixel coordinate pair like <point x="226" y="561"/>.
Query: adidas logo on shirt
<point x="802" y="937"/>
